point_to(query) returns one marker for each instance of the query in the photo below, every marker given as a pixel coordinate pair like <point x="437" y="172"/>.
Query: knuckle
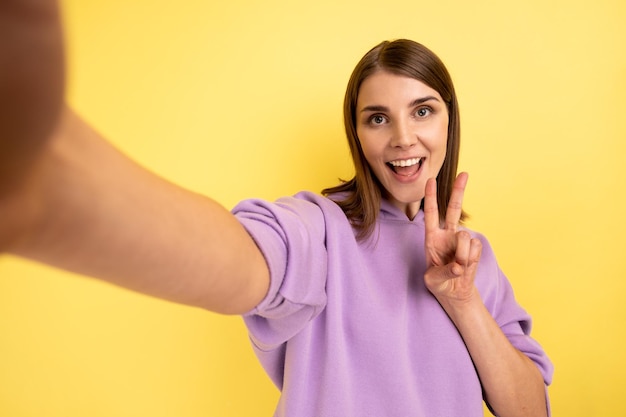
<point x="463" y="234"/>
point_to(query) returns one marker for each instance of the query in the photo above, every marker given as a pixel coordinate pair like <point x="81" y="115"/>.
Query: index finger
<point x="431" y="210"/>
<point x="455" y="205"/>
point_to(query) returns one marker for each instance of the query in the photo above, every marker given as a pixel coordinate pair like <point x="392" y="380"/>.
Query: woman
<point x="395" y="314"/>
<point x="358" y="303"/>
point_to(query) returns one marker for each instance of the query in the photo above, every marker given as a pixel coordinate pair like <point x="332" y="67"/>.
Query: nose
<point x="403" y="136"/>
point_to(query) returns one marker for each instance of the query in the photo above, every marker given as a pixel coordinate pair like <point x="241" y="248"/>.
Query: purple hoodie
<point x="348" y="328"/>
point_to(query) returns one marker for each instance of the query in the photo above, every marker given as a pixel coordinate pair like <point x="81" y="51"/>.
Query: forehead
<point x="387" y="89"/>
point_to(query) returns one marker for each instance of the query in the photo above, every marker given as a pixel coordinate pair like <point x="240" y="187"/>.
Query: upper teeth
<point x="405" y="162"/>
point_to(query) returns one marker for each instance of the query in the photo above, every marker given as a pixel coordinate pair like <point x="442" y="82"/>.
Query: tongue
<point x="406" y="171"/>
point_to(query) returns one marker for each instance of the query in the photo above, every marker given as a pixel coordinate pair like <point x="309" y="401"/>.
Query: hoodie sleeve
<point x="515" y="322"/>
<point x="290" y="234"/>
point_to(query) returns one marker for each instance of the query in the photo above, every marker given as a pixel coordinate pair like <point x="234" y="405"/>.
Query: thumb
<point x="437" y="274"/>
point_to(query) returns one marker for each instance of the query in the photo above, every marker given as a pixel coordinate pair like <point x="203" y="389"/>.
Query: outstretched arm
<point x="99" y="214"/>
<point x="69" y="199"/>
<point x="512" y="382"/>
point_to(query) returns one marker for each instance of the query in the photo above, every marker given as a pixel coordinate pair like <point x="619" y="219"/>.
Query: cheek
<point x="437" y="147"/>
<point x="439" y="153"/>
<point x="368" y="147"/>
<point x="436" y="139"/>
<point x="370" y="160"/>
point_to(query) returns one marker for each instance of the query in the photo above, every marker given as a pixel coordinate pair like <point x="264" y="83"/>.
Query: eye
<point x="377" y="119"/>
<point x="423" y="112"/>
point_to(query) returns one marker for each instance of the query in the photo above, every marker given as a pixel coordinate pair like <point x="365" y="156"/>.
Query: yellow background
<point x="241" y="99"/>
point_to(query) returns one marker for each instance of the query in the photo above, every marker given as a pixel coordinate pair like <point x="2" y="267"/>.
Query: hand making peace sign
<point x="452" y="255"/>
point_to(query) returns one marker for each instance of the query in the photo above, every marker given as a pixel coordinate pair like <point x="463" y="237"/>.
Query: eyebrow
<point x="414" y="103"/>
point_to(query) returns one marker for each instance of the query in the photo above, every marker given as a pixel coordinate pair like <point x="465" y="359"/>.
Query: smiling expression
<point x="402" y="125"/>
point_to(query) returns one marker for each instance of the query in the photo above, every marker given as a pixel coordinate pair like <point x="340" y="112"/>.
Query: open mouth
<point x="406" y="167"/>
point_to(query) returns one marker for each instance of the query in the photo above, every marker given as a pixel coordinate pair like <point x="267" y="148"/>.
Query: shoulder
<point x="304" y="212"/>
<point x="495" y="288"/>
<point x="304" y="204"/>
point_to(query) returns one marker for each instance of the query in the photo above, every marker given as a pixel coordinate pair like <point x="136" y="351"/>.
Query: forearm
<point x="512" y="383"/>
<point x="104" y="216"/>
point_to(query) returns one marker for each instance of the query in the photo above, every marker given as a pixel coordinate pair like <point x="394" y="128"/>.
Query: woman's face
<point x="402" y="125"/>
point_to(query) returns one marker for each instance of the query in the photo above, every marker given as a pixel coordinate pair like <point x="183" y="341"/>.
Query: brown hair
<point x="360" y="197"/>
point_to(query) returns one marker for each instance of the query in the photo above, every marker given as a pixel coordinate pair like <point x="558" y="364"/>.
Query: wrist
<point x="463" y="307"/>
